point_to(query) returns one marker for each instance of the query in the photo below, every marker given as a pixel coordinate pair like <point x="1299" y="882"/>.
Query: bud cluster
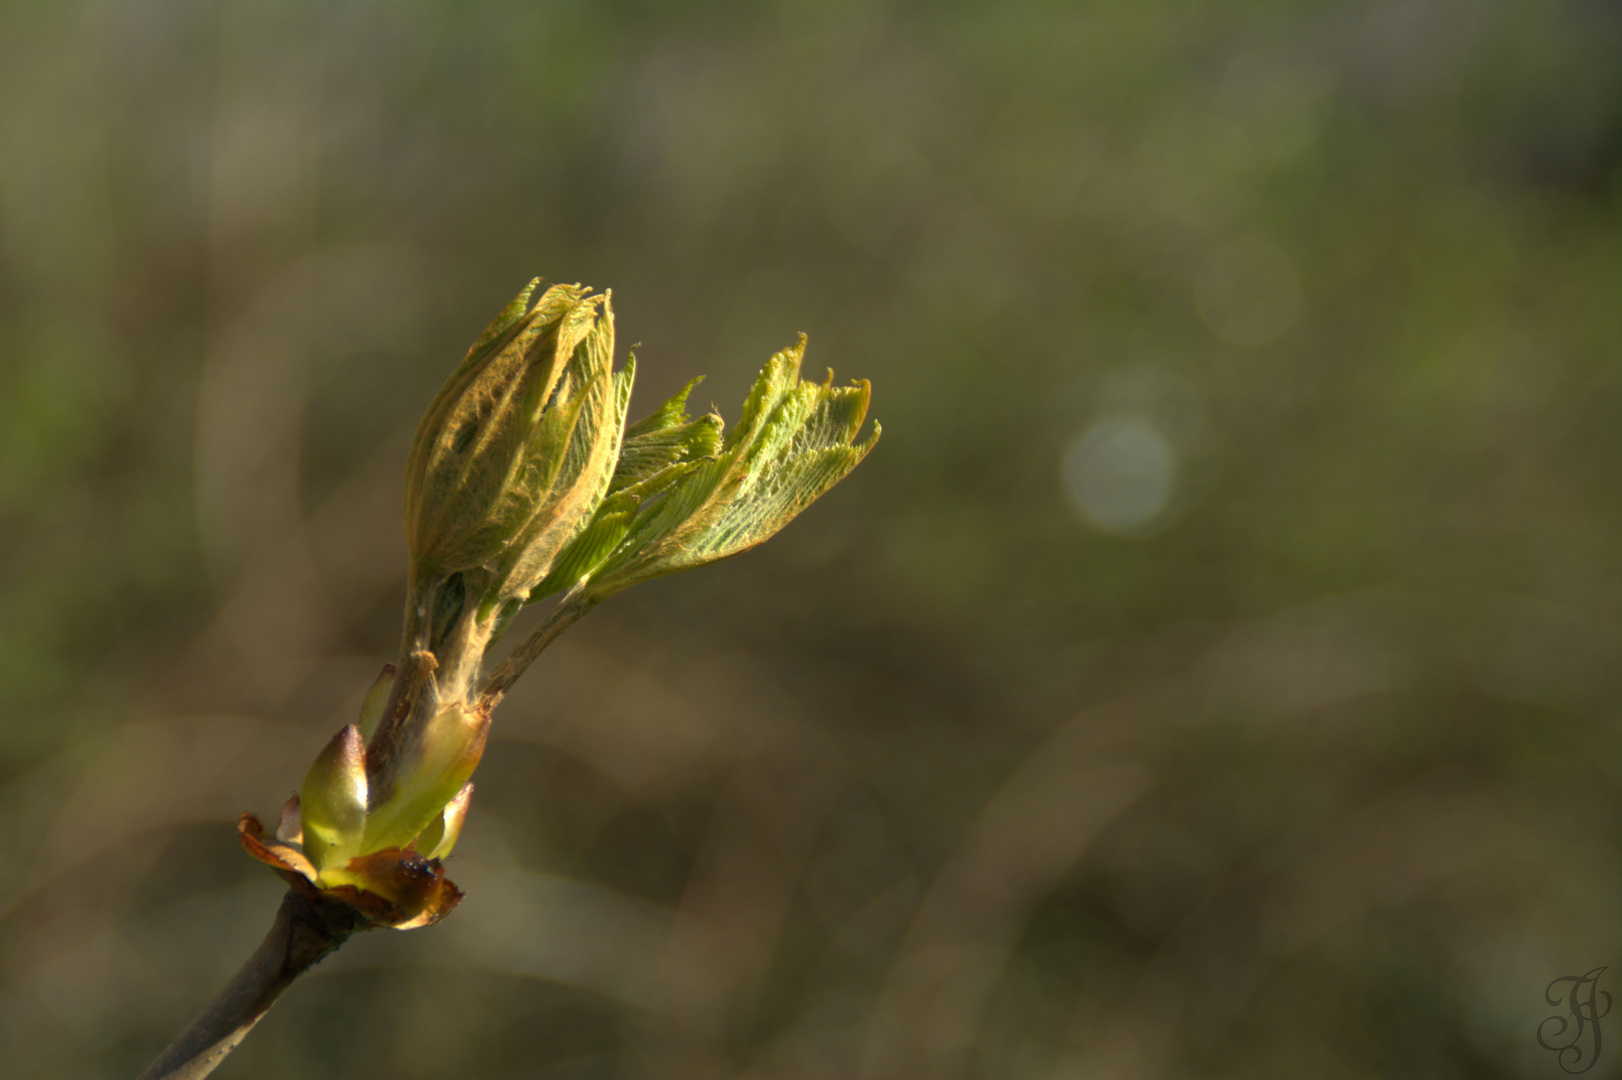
<point x="523" y="483"/>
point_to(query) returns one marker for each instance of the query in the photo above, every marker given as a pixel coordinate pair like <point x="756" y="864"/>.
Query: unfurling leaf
<point x="793" y="442"/>
<point x="655" y="453"/>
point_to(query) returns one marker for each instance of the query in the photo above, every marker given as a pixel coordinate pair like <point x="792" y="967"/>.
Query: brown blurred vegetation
<point x="1212" y="674"/>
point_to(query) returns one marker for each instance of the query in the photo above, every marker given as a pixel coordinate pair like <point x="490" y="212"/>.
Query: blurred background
<point x="1213" y="673"/>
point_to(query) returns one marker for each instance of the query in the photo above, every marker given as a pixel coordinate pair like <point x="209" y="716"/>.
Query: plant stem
<point x="306" y="930"/>
<point x="569" y="610"/>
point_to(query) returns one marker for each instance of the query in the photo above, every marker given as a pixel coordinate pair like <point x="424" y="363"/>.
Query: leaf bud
<point x="431" y="775"/>
<point x="519" y="444"/>
<point x="332" y="800"/>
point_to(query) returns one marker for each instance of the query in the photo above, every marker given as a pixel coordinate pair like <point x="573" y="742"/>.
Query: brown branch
<point x="306" y="930"/>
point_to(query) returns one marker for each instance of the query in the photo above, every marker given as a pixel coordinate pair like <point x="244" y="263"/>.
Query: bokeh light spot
<point x="1120" y="473"/>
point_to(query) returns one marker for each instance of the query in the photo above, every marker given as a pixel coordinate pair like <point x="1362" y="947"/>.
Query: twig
<point x="306" y="930"/>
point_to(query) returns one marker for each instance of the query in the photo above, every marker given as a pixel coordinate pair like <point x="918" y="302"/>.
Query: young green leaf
<point x="793" y="442"/>
<point x="655" y="453"/>
<point x="591" y="399"/>
<point x="667" y="437"/>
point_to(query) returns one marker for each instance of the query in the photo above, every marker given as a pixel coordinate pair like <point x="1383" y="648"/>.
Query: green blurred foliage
<point x="1212" y="673"/>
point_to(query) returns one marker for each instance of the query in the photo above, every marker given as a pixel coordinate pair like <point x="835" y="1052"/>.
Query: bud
<point x="431" y="776"/>
<point x="383" y="859"/>
<point x="519" y="444"/>
<point x="384" y="862"/>
<point x="332" y="800"/>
